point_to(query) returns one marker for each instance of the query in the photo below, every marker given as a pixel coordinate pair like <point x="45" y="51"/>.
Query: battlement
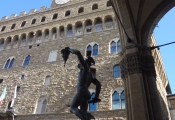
<point x="32" y="11"/>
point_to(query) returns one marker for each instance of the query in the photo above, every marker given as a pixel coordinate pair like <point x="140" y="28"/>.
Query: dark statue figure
<point x="85" y="78"/>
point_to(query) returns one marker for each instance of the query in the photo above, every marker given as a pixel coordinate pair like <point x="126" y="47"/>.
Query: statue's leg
<point x="78" y="99"/>
<point x="84" y="107"/>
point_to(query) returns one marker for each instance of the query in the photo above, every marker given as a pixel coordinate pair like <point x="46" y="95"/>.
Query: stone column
<point x="93" y="27"/>
<point x="58" y="33"/>
<point x="43" y="36"/>
<point x="103" y="24"/>
<point x="73" y="30"/>
<point x="27" y="39"/>
<point x="65" y="32"/>
<point x="50" y="35"/>
<point x="138" y="73"/>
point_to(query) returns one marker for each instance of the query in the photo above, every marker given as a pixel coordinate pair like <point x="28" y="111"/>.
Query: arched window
<point x="54" y="33"/>
<point x="69" y="31"/>
<point x="113" y="47"/>
<point x="95" y="6"/>
<point x="15" y="41"/>
<point x="88" y="25"/>
<point x="3" y="28"/>
<point x="43" y="19"/>
<point x="7" y="63"/>
<point x="27" y="61"/>
<point x="55" y="16"/>
<point x="95" y="50"/>
<point x="92" y="106"/>
<point x="47" y="80"/>
<point x="108" y="4"/>
<point x="67" y="13"/>
<point x="118" y="46"/>
<point x="115" y="101"/>
<point x="118" y="100"/>
<point x="23" y="23"/>
<point x="46" y="34"/>
<point x="108" y="22"/>
<point x="79" y="28"/>
<point x="62" y="31"/>
<point x="52" y="56"/>
<point x="23" y="40"/>
<point x="33" y="21"/>
<point x="8" y="43"/>
<point x="2" y="44"/>
<point x="11" y="63"/>
<point x="117" y="71"/>
<point x="92" y="49"/>
<point x="41" y="105"/>
<point x="81" y="10"/>
<point x="13" y="26"/>
<point x="98" y="24"/>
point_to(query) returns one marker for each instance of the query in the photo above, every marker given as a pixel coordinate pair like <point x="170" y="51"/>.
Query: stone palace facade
<point x="30" y="46"/>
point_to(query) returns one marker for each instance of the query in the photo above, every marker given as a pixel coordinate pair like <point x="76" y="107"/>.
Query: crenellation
<point x="22" y="13"/>
<point x="4" y="18"/>
<point x="43" y="8"/>
<point x="13" y="16"/>
<point x="32" y="11"/>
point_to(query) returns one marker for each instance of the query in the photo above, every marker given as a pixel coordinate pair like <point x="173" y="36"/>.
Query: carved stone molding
<point x="137" y="63"/>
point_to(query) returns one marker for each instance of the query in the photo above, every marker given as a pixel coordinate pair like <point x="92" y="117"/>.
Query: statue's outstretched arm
<point x="79" y="55"/>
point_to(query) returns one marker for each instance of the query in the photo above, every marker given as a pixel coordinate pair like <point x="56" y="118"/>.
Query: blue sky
<point x="164" y="33"/>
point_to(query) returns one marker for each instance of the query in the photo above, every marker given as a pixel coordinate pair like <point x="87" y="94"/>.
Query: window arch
<point x="38" y="36"/>
<point x="23" y="40"/>
<point x="92" y="49"/>
<point x="81" y="10"/>
<point x="114" y="45"/>
<point x="9" y="63"/>
<point x="54" y="33"/>
<point x="27" y="60"/>
<point x="15" y="41"/>
<point x="69" y="30"/>
<point x="46" y="35"/>
<point x="8" y="42"/>
<point x="52" y="56"/>
<point x="118" y="99"/>
<point x="98" y="24"/>
<point x="41" y="105"/>
<point x="61" y="31"/>
<point x="67" y="13"/>
<point x="43" y="19"/>
<point x="55" y="16"/>
<point x="117" y="71"/>
<point x="108" y="22"/>
<point x="33" y="21"/>
<point x="13" y="26"/>
<point x="23" y="24"/>
<point x="88" y="25"/>
<point x="95" y="6"/>
<point x="2" y="44"/>
<point x="79" y="28"/>
<point x="47" y="80"/>
<point x="3" y="28"/>
<point x="108" y="4"/>
<point x="31" y="38"/>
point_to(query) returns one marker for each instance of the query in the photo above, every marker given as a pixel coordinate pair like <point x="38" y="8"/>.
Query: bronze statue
<point x="85" y="78"/>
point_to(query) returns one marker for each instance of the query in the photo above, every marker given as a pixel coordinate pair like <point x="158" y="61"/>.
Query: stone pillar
<point x="43" y="36"/>
<point x="73" y="30"/>
<point x="93" y="27"/>
<point x="58" y="33"/>
<point x="50" y="35"/>
<point x="65" y="32"/>
<point x="27" y="39"/>
<point x="138" y="73"/>
<point x="83" y="28"/>
<point x="103" y="24"/>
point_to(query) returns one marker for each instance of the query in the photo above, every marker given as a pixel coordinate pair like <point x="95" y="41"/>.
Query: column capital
<point x="138" y="62"/>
